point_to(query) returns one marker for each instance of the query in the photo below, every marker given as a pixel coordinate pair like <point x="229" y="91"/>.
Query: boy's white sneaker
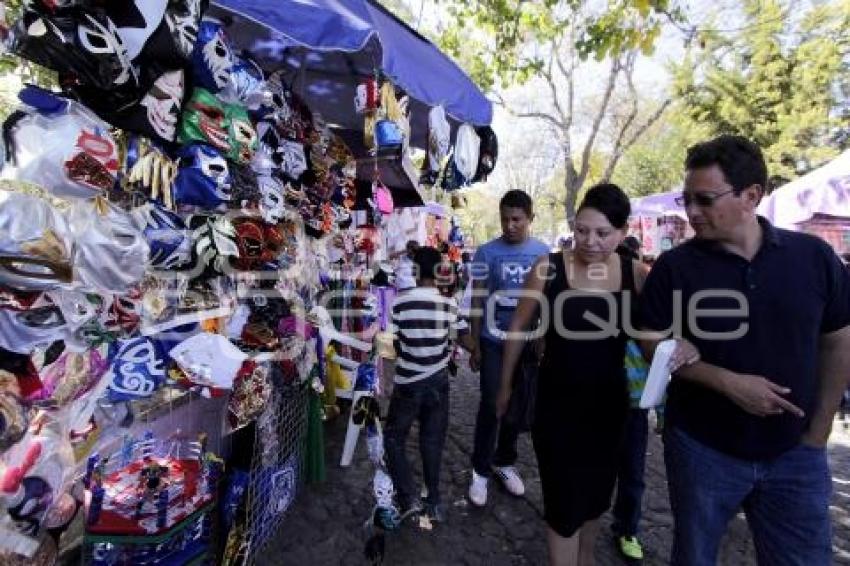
<point x="478" y="490"/>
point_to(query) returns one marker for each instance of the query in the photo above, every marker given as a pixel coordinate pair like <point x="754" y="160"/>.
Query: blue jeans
<point x="495" y="439"/>
<point x="428" y="402"/>
<point x="630" y="485"/>
<point x="785" y="500"/>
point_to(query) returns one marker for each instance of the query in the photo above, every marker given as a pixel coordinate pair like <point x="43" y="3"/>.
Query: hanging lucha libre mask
<point x="272" y="201"/>
<point x="183" y="18"/>
<point x="212" y="58"/>
<point x="166" y="234"/>
<point x="242" y="136"/>
<point x="203" y="179"/>
<point x="84" y="44"/>
<point x="251" y="241"/>
<point x="247" y="85"/>
<point x="162" y="104"/>
<point x="204" y="119"/>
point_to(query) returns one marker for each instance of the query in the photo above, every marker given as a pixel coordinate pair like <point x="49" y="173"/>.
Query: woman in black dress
<point x="582" y="399"/>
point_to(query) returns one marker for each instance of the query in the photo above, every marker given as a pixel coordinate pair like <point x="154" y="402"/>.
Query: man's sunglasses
<point x="704" y="200"/>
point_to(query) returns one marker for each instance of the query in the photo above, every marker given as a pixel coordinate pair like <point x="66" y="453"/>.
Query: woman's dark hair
<point x="517" y="199"/>
<point x="610" y="200"/>
<point x="427" y="260"/>
<point x="630" y="247"/>
<point x="740" y="160"/>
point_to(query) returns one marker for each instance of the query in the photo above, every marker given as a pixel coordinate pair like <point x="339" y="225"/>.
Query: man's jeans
<point x="630" y="485"/>
<point x="427" y="401"/>
<point x="494" y="444"/>
<point x="786" y="502"/>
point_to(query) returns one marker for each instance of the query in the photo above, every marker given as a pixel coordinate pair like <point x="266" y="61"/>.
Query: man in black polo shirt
<point x="747" y="425"/>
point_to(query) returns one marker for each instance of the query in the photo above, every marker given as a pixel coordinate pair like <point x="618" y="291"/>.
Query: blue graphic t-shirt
<point x="504" y="266"/>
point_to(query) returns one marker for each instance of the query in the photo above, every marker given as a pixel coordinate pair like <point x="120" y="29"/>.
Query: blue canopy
<point x="366" y="28"/>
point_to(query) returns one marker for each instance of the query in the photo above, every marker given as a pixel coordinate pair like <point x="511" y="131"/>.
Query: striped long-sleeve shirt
<point x="424" y="323"/>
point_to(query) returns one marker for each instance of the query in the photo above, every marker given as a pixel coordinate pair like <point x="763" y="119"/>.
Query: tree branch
<point x="617" y="150"/>
<point x="597" y="121"/>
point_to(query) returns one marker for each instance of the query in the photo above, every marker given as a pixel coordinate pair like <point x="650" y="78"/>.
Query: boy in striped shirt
<point x="424" y="326"/>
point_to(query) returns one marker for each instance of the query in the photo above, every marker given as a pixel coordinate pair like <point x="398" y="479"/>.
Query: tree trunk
<point x="572" y="185"/>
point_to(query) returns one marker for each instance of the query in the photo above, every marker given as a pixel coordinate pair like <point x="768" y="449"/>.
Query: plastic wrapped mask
<point x="277" y="100"/>
<point x="251" y="241"/>
<point x="183" y="18"/>
<point x="293" y="160"/>
<point x="242" y="137"/>
<point x="111" y="252"/>
<point x="35" y="250"/>
<point x="205" y="120"/>
<point x="71" y="376"/>
<point x="167" y="236"/>
<point x="251" y="393"/>
<point x="268" y="156"/>
<point x="247" y="85"/>
<point x="212" y="59"/>
<point x="23" y="331"/>
<point x="203" y="178"/>
<point x="138" y="369"/>
<point x="272" y="202"/>
<point x="60" y="145"/>
<point x="85" y="44"/>
<point x="209" y="359"/>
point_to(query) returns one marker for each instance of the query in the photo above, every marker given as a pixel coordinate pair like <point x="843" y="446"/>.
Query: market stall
<point x="817" y="203"/>
<point x="659" y="223"/>
<point x="190" y="222"/>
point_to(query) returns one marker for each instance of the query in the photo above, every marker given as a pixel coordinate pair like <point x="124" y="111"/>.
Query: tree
<point x="505" y="42"/>
<point x="782" y="80"/>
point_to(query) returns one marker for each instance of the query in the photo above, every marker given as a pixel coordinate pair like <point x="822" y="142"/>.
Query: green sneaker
<point x="631" y="548"/>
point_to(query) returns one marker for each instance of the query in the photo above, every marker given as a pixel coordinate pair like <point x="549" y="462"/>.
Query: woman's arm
<point x="526" y="311"/>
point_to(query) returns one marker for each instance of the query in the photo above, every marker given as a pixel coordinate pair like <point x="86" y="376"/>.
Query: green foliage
<point x="656" y="164"/>
<point x="781" y="81"/>
<point x="503" y="42"/>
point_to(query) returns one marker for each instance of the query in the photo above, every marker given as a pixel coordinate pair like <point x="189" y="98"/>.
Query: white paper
<point x="659" y="376"/>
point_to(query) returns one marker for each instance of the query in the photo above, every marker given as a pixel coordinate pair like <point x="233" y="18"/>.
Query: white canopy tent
<point x="823" y="191"/>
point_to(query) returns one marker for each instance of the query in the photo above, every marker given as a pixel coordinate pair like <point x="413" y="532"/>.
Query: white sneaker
<point x="511" y="480"/>
<point x="478" y="490"/>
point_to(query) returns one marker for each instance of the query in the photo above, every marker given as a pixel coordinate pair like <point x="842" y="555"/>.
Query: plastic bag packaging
<point x="439" y="137"/>
<point x="59" y="145"/>
<point x="467" y="151"/>
<point x="111" y="252"/>
<point x="35" y="248"/>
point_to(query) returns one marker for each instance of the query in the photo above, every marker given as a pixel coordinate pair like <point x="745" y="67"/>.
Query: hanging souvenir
<point x="70" y="377"/>
<point x="272" y="206"/>
<point x="110" y="252"/>
<point x="277" y="101"/>
<point x="35" y="249"/>
<point x="138" y="370"/>
<point x="158" y="33"/>
<point x="123" y="314"/>
<point x="215" y="241"/>
<point x="244" y="193"/>
<point x="203" y="178"/>
<point x="250" y="239"/>
<point x="467" y="152"/>
<point x="149" y="171"/>
<point x="183" y="17"/>
<point x="439" y="138"/>
<point x="156" y="115"/>
<point x="489" y="153"/>
<point x="212" y="58"/>
<point x="247" y="86"/>
<point x="367" y="98"/>
<point x="60" y="145"/>
<point x="83" y="43"/>
<point x="169" y="240"/>
<point x="242" y="137"/>
<point x="294" y="161"/>
<point x="209" y="359"/>
<point x="13" y="415"/>
<point x="265" y="159"/>
<point x="204" y="120"/>
<point x="388" y="136"/>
